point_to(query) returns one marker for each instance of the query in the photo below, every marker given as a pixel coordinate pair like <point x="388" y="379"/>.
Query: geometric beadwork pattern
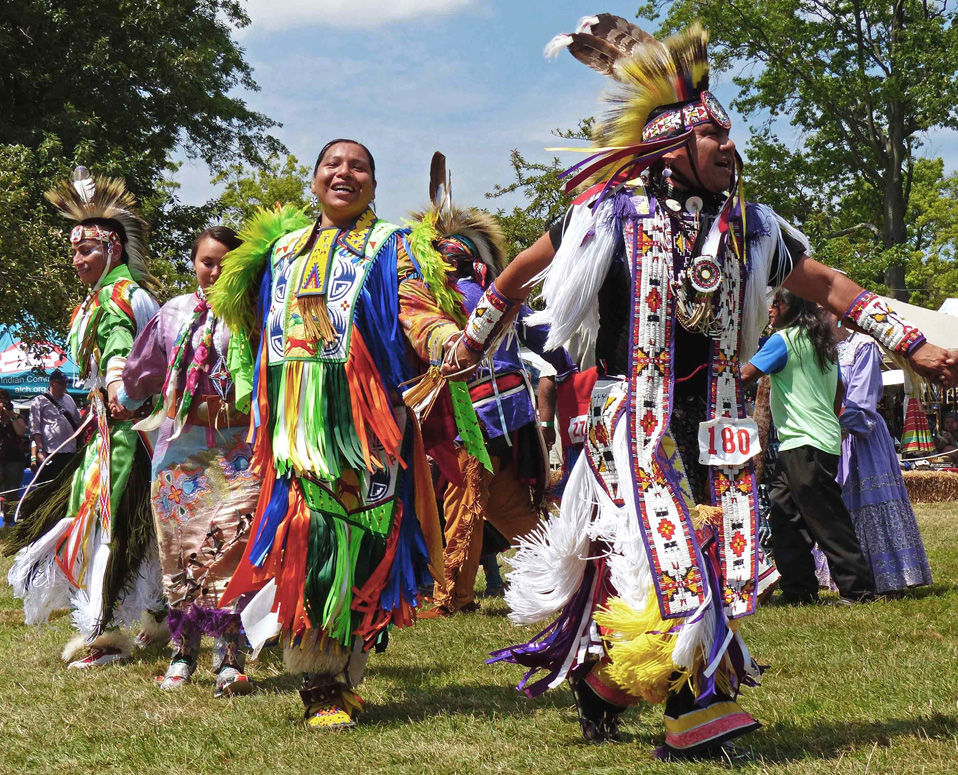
<point x="667" y="528"/>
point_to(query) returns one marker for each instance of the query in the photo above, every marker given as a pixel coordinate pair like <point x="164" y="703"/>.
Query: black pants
<point x="807" y="508"/>
<point x="54" y="466"/>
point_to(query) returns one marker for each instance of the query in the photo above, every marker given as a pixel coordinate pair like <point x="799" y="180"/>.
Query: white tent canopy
<point x="949" y="307"/>
<point x="938" y="328"/>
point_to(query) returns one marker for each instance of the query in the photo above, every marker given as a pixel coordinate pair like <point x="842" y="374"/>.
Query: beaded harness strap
<point x="670" y="541"/>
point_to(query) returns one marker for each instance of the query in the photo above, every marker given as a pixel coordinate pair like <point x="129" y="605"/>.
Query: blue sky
<point x="408" y="77"/>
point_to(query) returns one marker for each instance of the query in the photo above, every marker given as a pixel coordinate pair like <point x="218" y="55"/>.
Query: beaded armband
<point x="873" y="316"/>
<point x="484" y="319"/>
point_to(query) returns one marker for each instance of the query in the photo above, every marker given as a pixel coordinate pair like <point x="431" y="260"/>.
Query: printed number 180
<point x="726" y="441"/>
<point x="732" y="441"/>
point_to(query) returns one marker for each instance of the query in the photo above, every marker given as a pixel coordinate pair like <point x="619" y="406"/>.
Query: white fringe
<point x="629" y="568"/>
<point x="87" y="602"/>
<point x="146" y="594"/>
<point x="554" y="46"/>
<point x="761" y="250"/>
<point x="549" y="564"/>
<point x="37" y="579"/>
<point x="572" y="281"/>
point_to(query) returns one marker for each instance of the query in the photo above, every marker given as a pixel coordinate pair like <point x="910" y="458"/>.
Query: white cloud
<point x="277" y="15"/>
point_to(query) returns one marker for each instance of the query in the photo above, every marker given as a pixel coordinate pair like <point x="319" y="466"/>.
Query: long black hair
<point x="808" y="316"/>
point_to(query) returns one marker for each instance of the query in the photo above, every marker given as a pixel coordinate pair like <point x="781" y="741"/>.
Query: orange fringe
<point x="371" y="407"/>
<point x="366" y="599"/>
<point x="287" y="564"/>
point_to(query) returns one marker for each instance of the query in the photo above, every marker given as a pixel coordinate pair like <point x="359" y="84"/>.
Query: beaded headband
<point x="680" y="119"/>
<point x="95" y="232"/>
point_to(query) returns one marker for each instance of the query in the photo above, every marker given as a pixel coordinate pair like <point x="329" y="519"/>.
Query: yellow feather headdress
<point x="661" y="87"/>
<point x="86" y="197"/>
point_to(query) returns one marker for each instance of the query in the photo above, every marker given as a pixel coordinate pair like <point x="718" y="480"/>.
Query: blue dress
<point x="870" y="476"/>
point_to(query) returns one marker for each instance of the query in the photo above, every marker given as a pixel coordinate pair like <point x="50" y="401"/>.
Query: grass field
<point x="862" y="690"/>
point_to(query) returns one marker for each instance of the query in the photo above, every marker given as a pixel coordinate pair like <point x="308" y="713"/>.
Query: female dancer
<point x="870" y="475"/>
<point x="346" y="523"/>
<point x="203" y="492"/>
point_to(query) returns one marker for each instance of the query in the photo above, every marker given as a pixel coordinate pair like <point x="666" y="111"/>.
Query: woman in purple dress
<point x="870" y="476"/>
<point x="203" y="491"/>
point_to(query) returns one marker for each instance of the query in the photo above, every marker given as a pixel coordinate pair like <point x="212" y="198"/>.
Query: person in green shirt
<point x="801" y="359"/>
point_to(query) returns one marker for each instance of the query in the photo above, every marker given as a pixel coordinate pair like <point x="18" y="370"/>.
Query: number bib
<point x="725" y="441"/>
<point x="578" y="429"/>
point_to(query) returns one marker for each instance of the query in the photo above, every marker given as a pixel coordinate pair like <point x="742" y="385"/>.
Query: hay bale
<point x="931" y="486"/>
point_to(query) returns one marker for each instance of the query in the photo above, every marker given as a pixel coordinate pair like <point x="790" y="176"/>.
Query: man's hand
<point x="549" y="437"/>
<point x="938" y="365"/>
<point x="117" y="410"/>
<point x="459" y="359"/>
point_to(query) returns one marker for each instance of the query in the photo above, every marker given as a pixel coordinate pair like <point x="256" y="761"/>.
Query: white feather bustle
<point x="571" y="283"/>
<point x="549" y="564"/>
<point x="555" y="46"/>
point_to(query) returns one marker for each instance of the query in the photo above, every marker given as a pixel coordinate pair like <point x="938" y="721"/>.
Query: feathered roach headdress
<point x="87" y="198"/>
<point x="660" y="96"/>
<point x="457" y="235"/>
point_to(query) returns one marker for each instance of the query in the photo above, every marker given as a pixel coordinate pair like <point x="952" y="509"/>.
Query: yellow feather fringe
<point x="657" y="74"/>
<point x="640" y="661"/>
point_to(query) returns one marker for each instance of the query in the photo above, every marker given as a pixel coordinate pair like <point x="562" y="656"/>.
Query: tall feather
<point x="615" y="30"/>
<point x="438" y="188"/>
<point x="594" y="52"/>
<point x="83" y="183"/>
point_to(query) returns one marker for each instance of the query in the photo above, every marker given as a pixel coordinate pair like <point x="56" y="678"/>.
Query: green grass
<point x="868" y="689"/>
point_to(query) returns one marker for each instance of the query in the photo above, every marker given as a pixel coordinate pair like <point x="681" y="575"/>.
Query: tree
<point x="117" y="87"/>
<point x="860" y="80"/>
<point x="248" y="188"/>
<point x="542" y="187"/>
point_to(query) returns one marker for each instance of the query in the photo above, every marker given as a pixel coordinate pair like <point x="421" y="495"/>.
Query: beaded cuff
<point x="484" y="319"/>
<point x="873" y="316"/>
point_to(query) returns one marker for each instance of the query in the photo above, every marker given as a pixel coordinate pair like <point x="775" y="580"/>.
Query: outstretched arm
<point x="513" y="285"/>
<point x="837" y="293"/>
<point x="515" y="282"/>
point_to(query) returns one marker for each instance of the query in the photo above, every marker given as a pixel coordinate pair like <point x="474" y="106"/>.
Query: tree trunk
<point x="895" y="203"/>
<point x="894" y="206"/>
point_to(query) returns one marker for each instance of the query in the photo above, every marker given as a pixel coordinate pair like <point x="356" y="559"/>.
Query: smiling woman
<point x="346" y="525"/>
<point x="344" y="181"/>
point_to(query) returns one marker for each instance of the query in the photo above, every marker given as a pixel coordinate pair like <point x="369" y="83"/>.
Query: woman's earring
<point x="313" y="200"/>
